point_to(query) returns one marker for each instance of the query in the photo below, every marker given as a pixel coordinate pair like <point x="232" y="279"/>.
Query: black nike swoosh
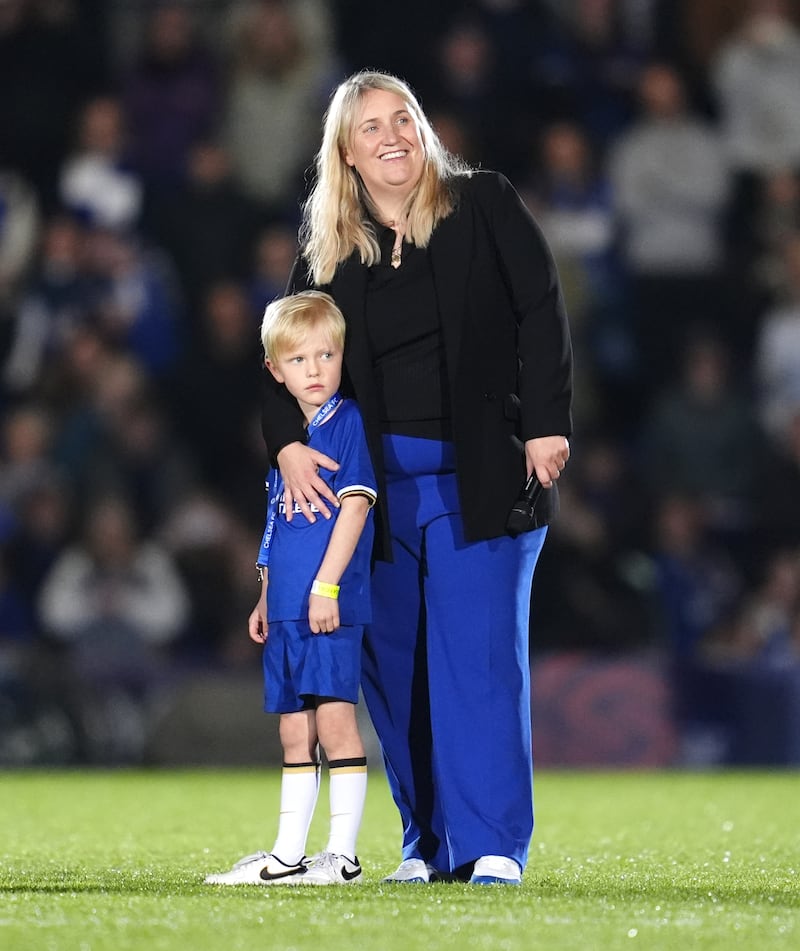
<point x="268" y="876"/>
<point x="349" y="876"/>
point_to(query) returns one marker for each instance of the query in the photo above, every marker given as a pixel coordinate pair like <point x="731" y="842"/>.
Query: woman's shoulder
<point x="480" y="182"/>
<point x="484" y="187"/>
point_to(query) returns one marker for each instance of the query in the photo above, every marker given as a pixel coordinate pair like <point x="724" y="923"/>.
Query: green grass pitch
<point x="109" y="861"/>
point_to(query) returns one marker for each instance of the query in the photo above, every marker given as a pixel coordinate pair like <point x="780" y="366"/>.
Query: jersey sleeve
<point x="355" y="475"/>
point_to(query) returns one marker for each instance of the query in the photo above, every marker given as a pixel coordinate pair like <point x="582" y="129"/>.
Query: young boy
<point x="313" y="607"/>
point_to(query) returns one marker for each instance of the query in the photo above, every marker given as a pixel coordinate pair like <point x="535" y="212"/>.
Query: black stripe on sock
<point x="342" y="763"/>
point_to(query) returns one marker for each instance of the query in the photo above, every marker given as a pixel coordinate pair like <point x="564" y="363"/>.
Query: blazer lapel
<point x="450" y="249"/>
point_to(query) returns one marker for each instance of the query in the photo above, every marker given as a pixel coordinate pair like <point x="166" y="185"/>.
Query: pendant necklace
<point x="397" y="251"/>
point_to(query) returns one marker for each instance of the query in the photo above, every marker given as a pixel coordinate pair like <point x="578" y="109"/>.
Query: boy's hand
<point x="257" y="627"/>
<point x="323" y="614"/>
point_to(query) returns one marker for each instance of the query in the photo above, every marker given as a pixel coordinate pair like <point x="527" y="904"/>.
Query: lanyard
<point x="324" y="411"/>
<point x="274" y="496"/>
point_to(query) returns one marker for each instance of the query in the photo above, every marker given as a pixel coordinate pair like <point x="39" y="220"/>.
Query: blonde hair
<point x="287" y="320"/>
<point x="335" y="216"/>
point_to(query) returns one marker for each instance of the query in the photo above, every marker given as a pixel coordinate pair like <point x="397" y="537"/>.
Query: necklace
<point x="397" y="250"/>
<point x="397" y="254"/>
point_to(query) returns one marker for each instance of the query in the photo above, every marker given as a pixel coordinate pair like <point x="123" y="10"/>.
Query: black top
<point x="405" y="337"/>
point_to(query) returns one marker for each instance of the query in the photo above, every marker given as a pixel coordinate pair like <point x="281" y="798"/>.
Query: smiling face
<point x="311" y="369"/>
<point x="385" y="148"/>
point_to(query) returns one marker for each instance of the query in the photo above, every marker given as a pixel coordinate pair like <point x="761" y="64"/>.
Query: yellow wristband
<point x="325" y="589"/>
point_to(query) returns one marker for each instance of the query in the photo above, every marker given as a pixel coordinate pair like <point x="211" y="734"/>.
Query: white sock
<point x="299" y="789"/>
<point x="348" y="790"/>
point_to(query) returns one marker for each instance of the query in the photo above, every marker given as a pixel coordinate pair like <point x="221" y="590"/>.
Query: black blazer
<point x="507" y="347"/>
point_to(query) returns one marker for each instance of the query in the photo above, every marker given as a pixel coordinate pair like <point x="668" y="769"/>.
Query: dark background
<point x="152" y="161"/>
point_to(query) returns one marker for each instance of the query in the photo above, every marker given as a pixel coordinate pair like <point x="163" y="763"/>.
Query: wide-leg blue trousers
<point x="445" y="669"/>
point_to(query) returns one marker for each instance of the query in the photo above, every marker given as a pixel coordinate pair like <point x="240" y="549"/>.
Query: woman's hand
<point x="547" y="456"/>
<point x="300" y="465"/>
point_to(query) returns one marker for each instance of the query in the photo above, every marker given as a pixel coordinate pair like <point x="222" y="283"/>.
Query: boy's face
<point x="310" y="371"/>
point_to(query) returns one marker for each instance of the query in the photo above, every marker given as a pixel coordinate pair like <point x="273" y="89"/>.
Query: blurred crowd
<point x="152" y="160"/>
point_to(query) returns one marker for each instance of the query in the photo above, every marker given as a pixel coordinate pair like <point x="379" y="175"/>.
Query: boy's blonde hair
<point x="288" y="319"/>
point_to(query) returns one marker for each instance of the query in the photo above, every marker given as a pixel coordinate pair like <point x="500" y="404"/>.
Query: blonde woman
<point x="458" y="352"/>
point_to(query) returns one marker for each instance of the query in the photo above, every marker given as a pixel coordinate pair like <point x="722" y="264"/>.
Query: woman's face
<point x="385" y="148"/>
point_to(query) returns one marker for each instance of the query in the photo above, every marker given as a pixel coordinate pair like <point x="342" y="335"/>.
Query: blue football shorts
<point x="299" y="665"/>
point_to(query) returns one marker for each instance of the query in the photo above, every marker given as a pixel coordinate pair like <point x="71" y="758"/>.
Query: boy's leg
<point x="285" y="864"/>
<point x="347" y="770"/>
<point x="299" y="784"/>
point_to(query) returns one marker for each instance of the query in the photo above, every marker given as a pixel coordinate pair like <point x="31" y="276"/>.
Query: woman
<point x="458" y="352"/>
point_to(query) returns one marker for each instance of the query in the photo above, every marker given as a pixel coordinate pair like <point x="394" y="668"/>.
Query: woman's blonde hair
<point x="288" y="319"/>
<point x="335" y="216"/>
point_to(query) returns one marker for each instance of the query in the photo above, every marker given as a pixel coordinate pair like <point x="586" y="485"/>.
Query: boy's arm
<point x="323" y="612"/>
<point x="257" y="626"/>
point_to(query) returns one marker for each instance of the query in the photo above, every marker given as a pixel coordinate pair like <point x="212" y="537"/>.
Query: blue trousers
<point x="445" y="668"/>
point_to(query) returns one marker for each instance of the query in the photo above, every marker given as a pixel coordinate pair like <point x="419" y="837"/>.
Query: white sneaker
<point x="329" y="869"/>
<point x="260" y="868"/>
<point x="413" y="871"/>
<point x="496" y="870"/>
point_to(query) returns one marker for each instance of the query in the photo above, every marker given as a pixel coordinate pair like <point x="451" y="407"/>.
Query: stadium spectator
<point x="20" y="225"/>
<point x="43" y="522"/>
<point x="755" y="268"/>
<point x="171" y="95"/>
<point x="777" y="219"/>
<point x="604" y="602"/>
<point x="215" y="396"/>
<point x="135" y="299"/>
<point x="587" y="64"/>
<point x="53" y="302"/>
<point x="670" y="188"/>
<point x="96" y="181"/>
<point x="777" y="508"/>
<point x="756" y="74"/>
<point x="747" y="677"/>
<point x="697" y="589"/>
<point x="701" y="436"/>
<point x="16" y="618"/>
<point x="276" y="87"/>
<point x="115" y="602"/>
<point x="777" y="357"/>
<point x="569" y="192"/>
<point x="273" y="256"/>
<point x="207" y="226"/>
<point x="142" y="458"/>
<point x="25" y="452"/>
<point x="465" y="86"/>
<point x="53" y="56"/>
<point x="213" y="551"/>
<point x="78" y="393"/>
<point x="765" y="627"/>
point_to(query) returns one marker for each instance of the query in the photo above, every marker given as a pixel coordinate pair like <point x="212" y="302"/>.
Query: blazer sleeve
<point x="281" y="417"/>
<point x="529" y="272"/>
